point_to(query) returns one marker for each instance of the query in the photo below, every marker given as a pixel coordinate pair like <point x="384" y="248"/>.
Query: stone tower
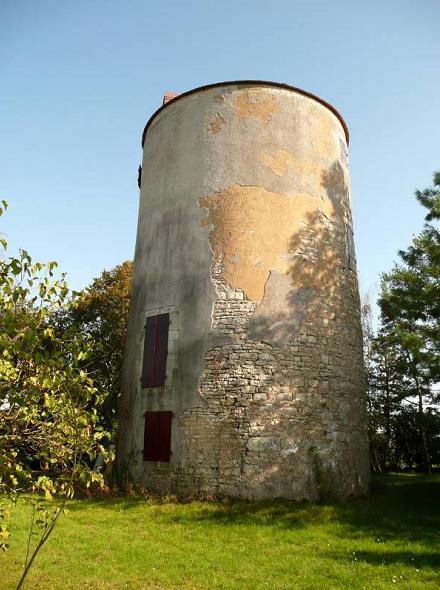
<point x="243" y="373"/>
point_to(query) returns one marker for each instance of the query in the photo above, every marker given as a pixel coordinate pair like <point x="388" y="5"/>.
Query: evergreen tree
<point x="410" y="314"/>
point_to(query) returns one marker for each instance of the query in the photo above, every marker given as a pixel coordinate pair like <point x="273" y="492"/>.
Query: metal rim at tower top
<point x="247" y="83"/>
<point x="243" y="374"/>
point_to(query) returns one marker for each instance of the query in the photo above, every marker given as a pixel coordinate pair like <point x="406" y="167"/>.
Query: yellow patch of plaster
<point x="252" y="102"/>
<point x="216" y="124"/>
<point x="253" y="231"/>
<point x="281" y="160"/>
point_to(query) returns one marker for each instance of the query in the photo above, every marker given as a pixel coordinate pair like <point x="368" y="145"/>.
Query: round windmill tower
<point x="243" y="373"/>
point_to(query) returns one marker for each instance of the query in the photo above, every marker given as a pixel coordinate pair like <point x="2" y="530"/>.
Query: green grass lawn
<point x="391" y="540"/>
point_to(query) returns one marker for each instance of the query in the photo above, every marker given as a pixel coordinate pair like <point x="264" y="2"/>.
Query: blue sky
<point x="80" y="79"/>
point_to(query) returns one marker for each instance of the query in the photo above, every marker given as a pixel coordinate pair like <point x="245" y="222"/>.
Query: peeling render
<point x="255" y="104"/>
<point x="216" y="125"/>
<point x="281" y="160"/>
<point x="245" y="234"/>
<point x="241" y="223"/>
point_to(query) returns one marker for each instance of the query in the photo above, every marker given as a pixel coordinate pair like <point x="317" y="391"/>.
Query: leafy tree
<point x="386" y="389"/>
<point x="407" y="450"/>
<point x="374" y="412"/>
<point x="410" y="312"/>
<point x="101" y="312"/>
<point x="49" y="426"/>
<point x="410" y="297"/>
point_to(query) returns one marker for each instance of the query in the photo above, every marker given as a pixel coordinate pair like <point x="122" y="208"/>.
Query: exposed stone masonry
<point x="263" y="400"/>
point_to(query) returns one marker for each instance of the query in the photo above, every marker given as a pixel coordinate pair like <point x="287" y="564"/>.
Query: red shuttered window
<point x="155" y="350"/>
<point x="157" y="436"/>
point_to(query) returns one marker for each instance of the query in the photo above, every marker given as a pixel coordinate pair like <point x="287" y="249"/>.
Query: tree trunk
<point x="423" y="437"/>
<point x="387" y="412"/>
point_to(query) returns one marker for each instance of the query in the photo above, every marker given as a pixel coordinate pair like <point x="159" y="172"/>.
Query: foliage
<point x="388" y="541"/>
<point x="407" y="450"/>
<point x="384" y="391"/>
<point x="319" y="473"/>
<point x="410" y="300"/>
<point x="403" y="360"/>
<point x="100" y="312"/>
<point x="49" y="428"/>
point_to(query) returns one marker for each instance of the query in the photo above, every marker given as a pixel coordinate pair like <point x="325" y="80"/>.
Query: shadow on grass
<point x="397" y="503"/>
<point x="401" y="506"/>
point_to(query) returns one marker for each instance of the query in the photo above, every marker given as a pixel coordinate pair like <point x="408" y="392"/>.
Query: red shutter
<point x="163" y="324"/>
<point x="147" y="364"/>
<point x="151" y="436"/>
<point x="155" y="350"/>
<point x="157" y="436"/>
<point x="165" y="420"/>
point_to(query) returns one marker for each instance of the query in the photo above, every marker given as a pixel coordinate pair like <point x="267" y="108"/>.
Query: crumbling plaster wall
<point x="244" y="232"/>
